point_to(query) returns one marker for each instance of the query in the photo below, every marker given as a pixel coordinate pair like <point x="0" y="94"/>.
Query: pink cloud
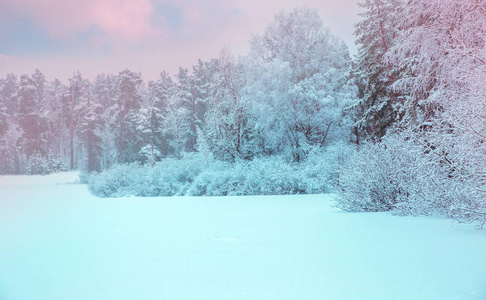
<point x="127" y="20"/>
<point x="205" y="28"/>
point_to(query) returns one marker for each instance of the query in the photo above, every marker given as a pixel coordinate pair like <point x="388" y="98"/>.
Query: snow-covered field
<point x="59" y="242"/>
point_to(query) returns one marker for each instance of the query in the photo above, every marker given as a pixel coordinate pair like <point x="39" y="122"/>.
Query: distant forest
<point x="288" y="94"/>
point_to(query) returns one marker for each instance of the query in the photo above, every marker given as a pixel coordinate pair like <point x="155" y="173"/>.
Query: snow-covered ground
<point x="59" y="242"/>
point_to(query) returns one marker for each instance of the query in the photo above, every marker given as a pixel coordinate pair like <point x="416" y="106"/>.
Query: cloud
<point x="152" y="35"/>
<point x="127" y="20"/>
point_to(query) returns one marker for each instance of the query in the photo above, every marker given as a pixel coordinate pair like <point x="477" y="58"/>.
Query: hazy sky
<point x="148" y="36"/>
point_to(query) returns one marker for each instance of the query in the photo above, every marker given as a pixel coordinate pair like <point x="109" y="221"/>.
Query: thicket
<point x="198" y="175"/>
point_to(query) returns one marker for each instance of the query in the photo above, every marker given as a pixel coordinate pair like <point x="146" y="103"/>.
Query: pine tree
<point x="52" y="112"/>
<point x="177" y="126"/>
<point x="104" y="91"/>
<point x="3" y="117"/>
<point x="29" y="116"/>
<point x="186" y="95"/>
<point x="89" y="127"/>
<point x="160" y="93"/>
<point x="40" y="84"/>
<point x="76" y="92"/>
<point x="8" y="91"/>
<point x="10" y="152"/>
<point x="129" y="102"/>
<point x="378" y="106"/>
<point x="202" y="79"/>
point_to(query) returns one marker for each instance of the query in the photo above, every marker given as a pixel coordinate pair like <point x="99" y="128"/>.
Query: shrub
<point x="196" y="175"/>
<point x="166" y="178"/>
<point x="402" y="173"/>
<point x="41" y="165"/>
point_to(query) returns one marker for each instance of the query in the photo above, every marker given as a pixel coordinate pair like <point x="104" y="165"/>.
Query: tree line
<point x="285" y="96"/>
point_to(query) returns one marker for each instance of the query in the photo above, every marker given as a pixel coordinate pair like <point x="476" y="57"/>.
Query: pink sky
<point x="148" y="36"/>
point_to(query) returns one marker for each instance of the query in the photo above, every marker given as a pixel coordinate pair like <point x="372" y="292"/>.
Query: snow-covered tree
<point x="202" y="79"/>
<point x="299" y="82"/>
<point x="153" y="115"/>
<point x="3" y="117"/>
<point x="186" y="95"/>
<point x="8" y="92"/>
<point x="442" y="52"/>
<point x="29" y="116"/>
<point x="229" y="127"/>
<point x="379" y="106"/>
<point x="177" y="125"/>
<point x="52" y="113"/>
<point x="76" y="92"/>
<point x="89" y="128"/>
<point x="128" y="104"/>
<point x="11" y="154"/>
<point x="104" y="92"/>
<point x="40" y="84"/>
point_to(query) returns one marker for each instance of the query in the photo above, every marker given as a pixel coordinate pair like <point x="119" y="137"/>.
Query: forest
<point x="400" y="127"/>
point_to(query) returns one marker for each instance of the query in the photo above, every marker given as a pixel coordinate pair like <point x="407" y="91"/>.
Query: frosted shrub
<point x="167" y="178"/>
<point x="195" y="175"/>
<point x="55" y="165"/>
<point x="365" y="183"/>
<point x="463" y="155"/>
<point x="401" y="174"/>
<point x="37" y="165"/>
<point x="321" y="166"/>
<point x="273" y="177"/>
<point x="41" y="165"/>
<point x="261" y="176"/>
<point x="220" y="183"/>
<point x="119" y="181"/>
<point x="174" y="177"/>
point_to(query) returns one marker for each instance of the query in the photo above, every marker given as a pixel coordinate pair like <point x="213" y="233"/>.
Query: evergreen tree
<point x="8" y="92"/>
<point x="160" y="93"/>
<point x="52" y="112"/>
<point x="376" y="33"/>
<point x="40" y="84"/>
<point x="29" y="116"/>
<point x="186" y="95"/>
<point x="76" y="93"/>
<point x="177" y="125"/>
<point x="89" y="127"/>
<point x="11" y="154"/>
<point x="3" y="117"/>
<point x="202" y="80"/>
<point x="129" y="102"/>
<point x="104" y="91"/>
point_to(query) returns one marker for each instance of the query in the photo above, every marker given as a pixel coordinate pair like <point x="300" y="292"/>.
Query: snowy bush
<point x="37" y="165"/>
<point x="149" y="155"/>
<point x="461" y="151"/>
<point x="41" y="165"/>
<point x="167" y="178"/>
<point x="364" y="182"/>
<point x="116" y="182"/>
<point x="404" y="173"/>
<point x="195" y="175"/>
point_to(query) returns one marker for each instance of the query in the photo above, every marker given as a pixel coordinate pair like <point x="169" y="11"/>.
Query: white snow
<point x="60" y="242"/>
